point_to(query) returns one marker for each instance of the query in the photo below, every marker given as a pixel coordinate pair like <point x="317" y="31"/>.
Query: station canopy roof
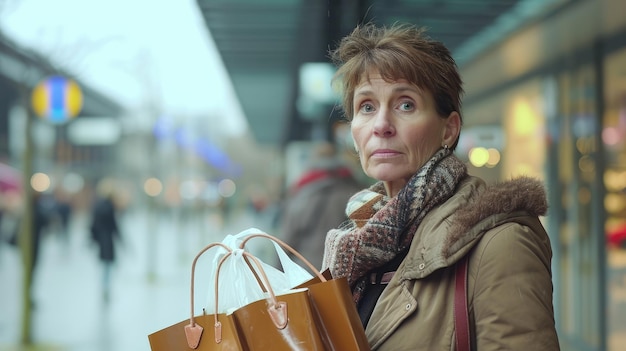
<point x="263" y="43"/>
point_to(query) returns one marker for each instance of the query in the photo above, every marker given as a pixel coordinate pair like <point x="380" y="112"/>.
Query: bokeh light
<point x="494" y="157"/>
<point x="40" y="182"/>
<point x="226" y="188"/>
<point x="611" y="136"/>
<point x="524" y="118"/>
<point x="615" y="180"/>
<point x="153" y="187"/>
<point x="73" y="183"/>
<point x="189" y="190"/>
<point x="615" y="203"/>
<point x="478" y="156"/>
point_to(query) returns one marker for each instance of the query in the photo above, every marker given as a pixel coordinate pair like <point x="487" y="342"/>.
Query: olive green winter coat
<point x="509" y="283"/>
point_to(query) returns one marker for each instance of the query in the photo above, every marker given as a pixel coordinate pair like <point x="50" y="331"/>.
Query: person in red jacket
<point x="316" y="201"/>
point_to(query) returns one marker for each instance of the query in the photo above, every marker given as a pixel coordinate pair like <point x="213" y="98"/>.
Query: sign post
<point x="55" y="99"/>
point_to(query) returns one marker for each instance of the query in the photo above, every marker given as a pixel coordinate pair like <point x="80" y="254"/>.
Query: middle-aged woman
<point x="407" y="232"/>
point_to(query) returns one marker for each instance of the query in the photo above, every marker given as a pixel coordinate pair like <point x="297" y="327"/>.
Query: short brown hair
<point x="400" y="51"/>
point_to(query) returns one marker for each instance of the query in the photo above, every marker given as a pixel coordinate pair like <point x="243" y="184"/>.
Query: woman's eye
<point x="406" y="106"/>
<point x="367" y="107"/>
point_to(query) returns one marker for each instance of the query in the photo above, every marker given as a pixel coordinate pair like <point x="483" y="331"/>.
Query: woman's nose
<point x="383" y="124"/>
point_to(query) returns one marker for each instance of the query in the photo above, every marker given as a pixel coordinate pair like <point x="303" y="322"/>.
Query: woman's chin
<point x="388" y="173"/>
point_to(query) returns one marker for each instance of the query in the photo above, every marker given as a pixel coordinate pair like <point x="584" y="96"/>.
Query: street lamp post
<point x="55" y="99"/>
<point x="26" y="226"/>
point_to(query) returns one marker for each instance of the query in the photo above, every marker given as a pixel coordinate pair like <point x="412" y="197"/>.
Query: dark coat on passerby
<point x="104" y="228"/>
<point x="315" y="205"/>
<point x="41" y="217"/>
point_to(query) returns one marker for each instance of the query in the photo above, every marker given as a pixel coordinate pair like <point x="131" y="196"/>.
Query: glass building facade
<point x="561" y="116"/>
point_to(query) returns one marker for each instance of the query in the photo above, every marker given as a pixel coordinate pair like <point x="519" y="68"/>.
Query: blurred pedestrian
<point x="315" y="202"/>
<point x="11" y="202"/>
<point x="105" y="232"/>
<point x="63" y="212"/>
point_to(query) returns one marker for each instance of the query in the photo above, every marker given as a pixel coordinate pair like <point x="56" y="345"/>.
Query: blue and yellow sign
<point x="57" y="99"/>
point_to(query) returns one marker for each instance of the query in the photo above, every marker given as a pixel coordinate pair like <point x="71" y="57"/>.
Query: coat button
<point x="422" y="266"/>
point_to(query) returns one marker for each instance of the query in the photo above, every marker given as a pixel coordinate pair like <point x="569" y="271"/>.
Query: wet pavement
<point x="149" y="291"/>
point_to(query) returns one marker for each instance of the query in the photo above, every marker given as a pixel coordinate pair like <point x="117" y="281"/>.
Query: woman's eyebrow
<point x="405" y="88"/>
<point x="363" y="92"/>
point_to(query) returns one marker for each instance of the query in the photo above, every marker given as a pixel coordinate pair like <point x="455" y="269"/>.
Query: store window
<point x="614" y="143"/>
<point x="579" y="300"/>
<point x="504" y="136"/>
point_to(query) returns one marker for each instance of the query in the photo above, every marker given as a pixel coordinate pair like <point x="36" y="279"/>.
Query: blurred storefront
<point x="557" y="110"/>
<point x="63" y="156"/>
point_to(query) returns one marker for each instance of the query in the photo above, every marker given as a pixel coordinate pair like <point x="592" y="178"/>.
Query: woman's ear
<point x="451" y="129"/>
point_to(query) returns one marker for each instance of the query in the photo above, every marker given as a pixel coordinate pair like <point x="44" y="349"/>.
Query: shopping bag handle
<point x="277" y="310"/>
<point x="193" y="331"/>
<point x="293" y="272"/>
<point x="288" y="248"/>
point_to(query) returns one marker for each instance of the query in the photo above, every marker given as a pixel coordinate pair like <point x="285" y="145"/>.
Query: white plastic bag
<point x="236" y="277"/>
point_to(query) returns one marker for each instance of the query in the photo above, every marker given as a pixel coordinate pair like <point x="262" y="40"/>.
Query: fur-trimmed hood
<point x="521" y="194"/>
<point x="451" y="230"/>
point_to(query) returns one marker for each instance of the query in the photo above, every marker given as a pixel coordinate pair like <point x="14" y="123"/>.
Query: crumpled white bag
<point x="237" y="285"/>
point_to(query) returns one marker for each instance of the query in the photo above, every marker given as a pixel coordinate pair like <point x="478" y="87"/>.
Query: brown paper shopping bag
<point x="333" y="303"/>
<point x="285" y="322"/>
<point x="292" y="320"/>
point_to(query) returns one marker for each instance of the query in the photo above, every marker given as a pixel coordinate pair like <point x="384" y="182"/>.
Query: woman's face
<point x="396" y="129"/>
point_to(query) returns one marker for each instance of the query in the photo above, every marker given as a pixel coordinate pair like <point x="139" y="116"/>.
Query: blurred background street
<point x="148" y="294"/>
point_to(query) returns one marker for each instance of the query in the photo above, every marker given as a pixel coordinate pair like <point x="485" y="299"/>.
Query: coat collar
<point x="451" y="230"/>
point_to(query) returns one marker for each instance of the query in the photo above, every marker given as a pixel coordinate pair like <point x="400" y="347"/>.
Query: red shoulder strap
<point x="461" y="313"/>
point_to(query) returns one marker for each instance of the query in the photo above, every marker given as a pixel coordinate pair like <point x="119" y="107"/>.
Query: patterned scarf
<point x="380" y="227"/>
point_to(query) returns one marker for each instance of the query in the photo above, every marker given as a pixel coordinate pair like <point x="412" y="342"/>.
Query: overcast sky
<point x="131" y="50"/>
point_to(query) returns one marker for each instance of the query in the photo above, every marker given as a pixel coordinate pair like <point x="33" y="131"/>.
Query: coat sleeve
<point x="512" y="290"/>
